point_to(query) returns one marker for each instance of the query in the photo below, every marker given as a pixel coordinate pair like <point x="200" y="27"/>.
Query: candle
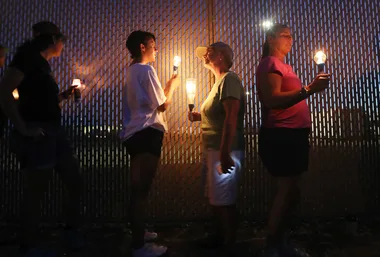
<point x="77" y="93"/>
<point x="76" y="82"/>
<point x="176" y="62"/>
<point x="320" y="58"/>
<point x="190" y="90"/>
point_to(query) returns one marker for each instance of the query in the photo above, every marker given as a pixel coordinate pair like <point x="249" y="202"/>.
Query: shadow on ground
<point x="336" y="238"/>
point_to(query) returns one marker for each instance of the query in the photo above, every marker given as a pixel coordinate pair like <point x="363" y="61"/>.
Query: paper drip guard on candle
<point x="177" y="61"/>
<point x="190" y="90"/>
<point x="77" y="93"/>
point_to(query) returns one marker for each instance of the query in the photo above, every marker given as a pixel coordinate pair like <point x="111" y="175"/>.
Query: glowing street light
<point x="267" y="24"/>
<point x="190" y="90"/>
<point x="320" y="59"/>
<point x="177" y="61"/>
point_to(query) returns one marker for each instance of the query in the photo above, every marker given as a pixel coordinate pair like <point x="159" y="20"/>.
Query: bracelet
<point x="304" y="92"/>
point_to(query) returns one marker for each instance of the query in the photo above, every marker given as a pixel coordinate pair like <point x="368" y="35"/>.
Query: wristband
<point x="305" y="92"/>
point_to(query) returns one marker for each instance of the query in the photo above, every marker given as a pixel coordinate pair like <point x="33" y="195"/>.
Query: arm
<point x="154" y="96"/>
<point x="11" y="80"/>
<point x="232" y="93"/>
<point x="171" y="85"/>
<point x="66" y="94"/>
<point x="272" y="96"/>
<point x="62" y="96"/>
<point x="231" y="108"/>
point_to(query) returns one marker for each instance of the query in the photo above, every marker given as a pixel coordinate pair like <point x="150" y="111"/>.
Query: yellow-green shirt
<point x="213" y="114"/>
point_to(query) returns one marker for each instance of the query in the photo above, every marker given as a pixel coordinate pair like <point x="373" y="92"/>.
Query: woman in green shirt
<point x="222" y="122"/>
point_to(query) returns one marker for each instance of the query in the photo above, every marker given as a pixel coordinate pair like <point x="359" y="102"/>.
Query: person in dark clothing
<point x="3" y="118"/>
<point x="38" y="139"/>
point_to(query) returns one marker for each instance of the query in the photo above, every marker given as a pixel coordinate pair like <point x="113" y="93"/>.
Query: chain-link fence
<point x="344" y="167"/>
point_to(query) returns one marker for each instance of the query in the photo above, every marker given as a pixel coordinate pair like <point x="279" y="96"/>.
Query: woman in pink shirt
<point x="284" y="133"/>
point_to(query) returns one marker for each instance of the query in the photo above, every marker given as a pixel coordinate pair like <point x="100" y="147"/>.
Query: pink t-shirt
<point x="296" y="116"/>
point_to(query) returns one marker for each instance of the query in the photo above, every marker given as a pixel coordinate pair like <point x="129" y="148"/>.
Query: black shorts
<point x="148" y="140"/>
<point x="43" y="152"/>
<point x="284" y="151"/>
<point x="3" y="123"/>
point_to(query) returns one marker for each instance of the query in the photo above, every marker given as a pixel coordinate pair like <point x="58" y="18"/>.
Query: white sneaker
<point x="150" y="236"/>
<point x="149" y="250"/>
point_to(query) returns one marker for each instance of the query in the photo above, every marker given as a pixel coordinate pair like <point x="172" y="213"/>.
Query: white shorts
<point x="221" y="189"/>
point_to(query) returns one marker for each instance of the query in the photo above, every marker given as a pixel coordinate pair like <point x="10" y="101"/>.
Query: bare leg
<point x="217" y="222"/>
<point x="143" y="169"/>
<point x="284" y="203"/>
<point x="68" y="169"/>
<point x="36" y="183"/>
<point x="229" y="225"/>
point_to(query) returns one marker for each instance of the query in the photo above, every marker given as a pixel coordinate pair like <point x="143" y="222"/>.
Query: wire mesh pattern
<point x="343" y="176"/>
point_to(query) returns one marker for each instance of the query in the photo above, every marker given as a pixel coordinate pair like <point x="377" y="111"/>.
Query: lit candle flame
<point x="177" y="61"/>
<point x="76" y="82"/>
<point x="191" y="90"/>
<point x="320" y="57"/>
<point x="15" y="94"/>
